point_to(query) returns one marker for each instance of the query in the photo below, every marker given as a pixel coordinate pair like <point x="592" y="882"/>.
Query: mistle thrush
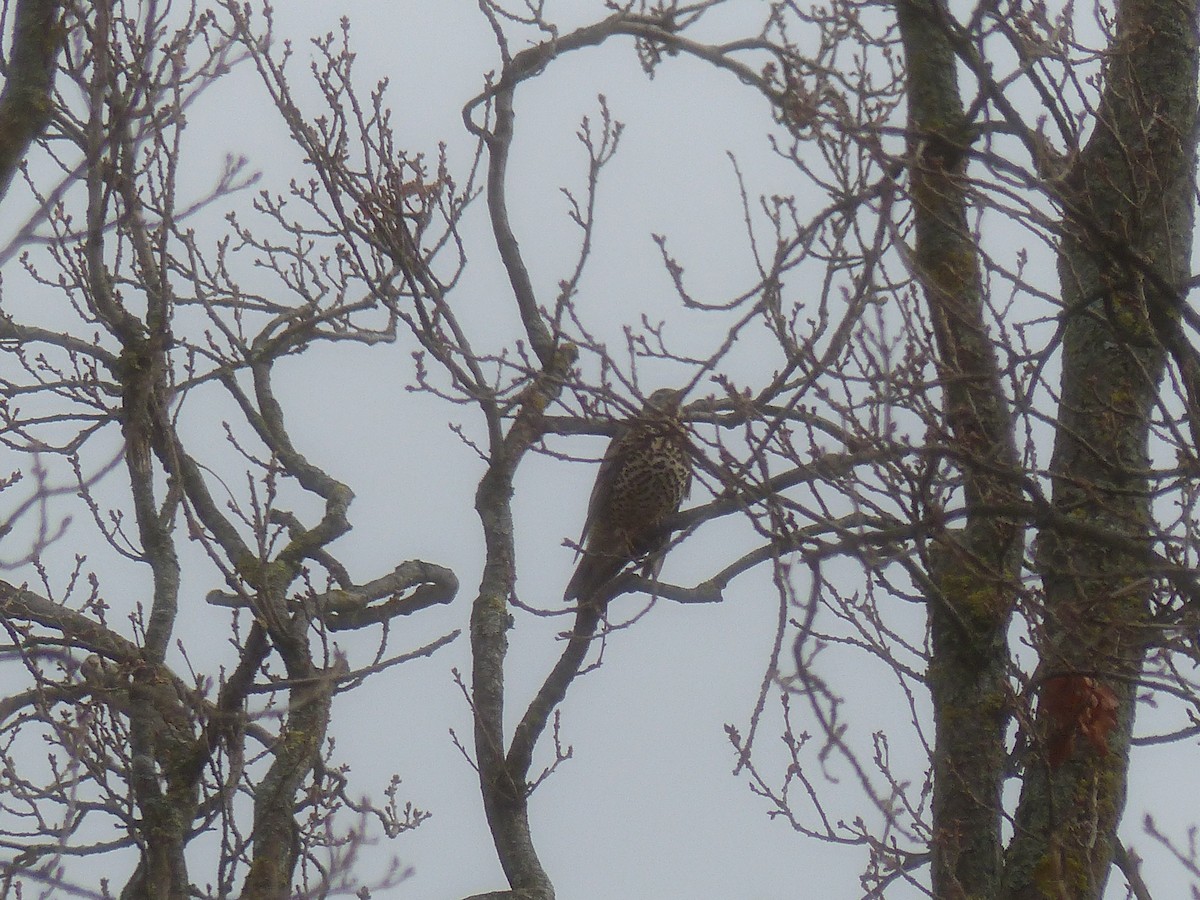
<point x="644" y="477"/>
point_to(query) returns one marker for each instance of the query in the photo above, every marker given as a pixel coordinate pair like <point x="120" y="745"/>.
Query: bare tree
<point x="943" y="404"/>
<point x="966" y="451"/>
<point x="143" y="735"/>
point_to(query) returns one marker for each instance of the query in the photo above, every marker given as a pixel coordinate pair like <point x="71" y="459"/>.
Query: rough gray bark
<point x="25" y="102"/>
<point x="1127" y="236"/>
<point x="973" y="570"/>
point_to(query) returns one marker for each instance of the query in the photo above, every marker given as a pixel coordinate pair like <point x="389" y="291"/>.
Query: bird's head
<point x="663" y="402"/>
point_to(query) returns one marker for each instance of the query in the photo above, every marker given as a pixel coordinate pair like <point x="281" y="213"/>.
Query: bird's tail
<point x="595" y="570"/>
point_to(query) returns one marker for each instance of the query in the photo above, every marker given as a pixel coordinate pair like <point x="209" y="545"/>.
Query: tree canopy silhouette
<point x="951" y="419"/>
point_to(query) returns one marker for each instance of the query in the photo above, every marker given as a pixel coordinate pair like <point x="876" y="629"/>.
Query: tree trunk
<point x="1127" y="233"/>
<point x="973" y="573"/>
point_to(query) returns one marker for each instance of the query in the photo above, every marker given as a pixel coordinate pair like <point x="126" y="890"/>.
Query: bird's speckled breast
<point x="653" y="479"/>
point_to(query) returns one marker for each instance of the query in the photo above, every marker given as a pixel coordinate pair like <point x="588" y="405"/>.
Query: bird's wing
<point x="602" y="489"/>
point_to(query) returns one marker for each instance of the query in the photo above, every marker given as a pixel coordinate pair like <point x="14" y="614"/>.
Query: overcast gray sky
<point x="647" y="809"/>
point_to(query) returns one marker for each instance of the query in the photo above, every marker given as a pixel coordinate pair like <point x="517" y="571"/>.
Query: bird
<point x="644" y="477"/>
